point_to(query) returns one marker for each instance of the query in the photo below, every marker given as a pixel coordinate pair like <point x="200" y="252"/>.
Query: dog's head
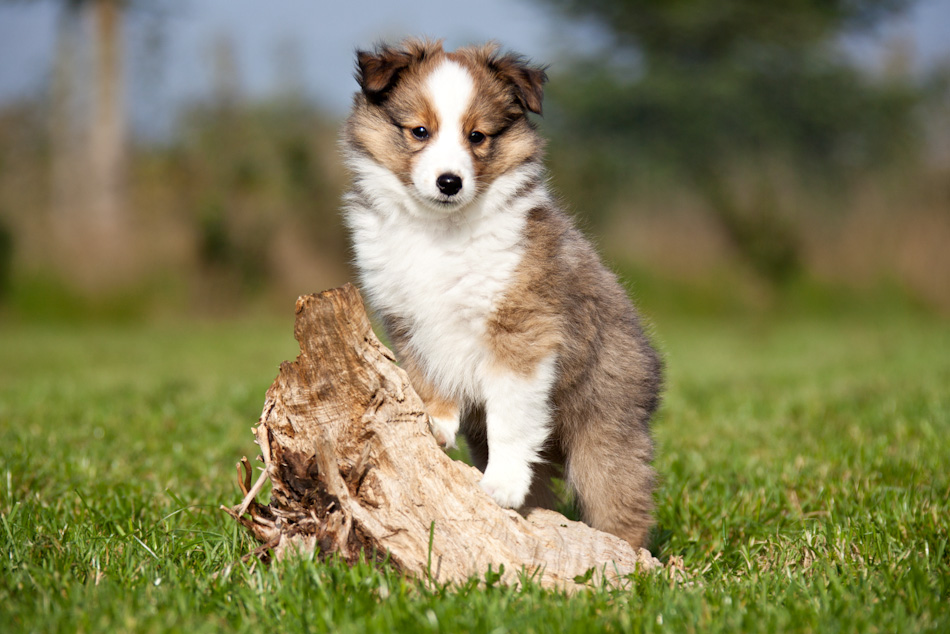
<point x="446" y="124"/>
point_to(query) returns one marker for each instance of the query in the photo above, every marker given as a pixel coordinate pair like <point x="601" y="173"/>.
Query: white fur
<point x="450" y="90"/>
<point x="445" y="274"/>
<point x="446" y="271"/>
<point x="518" y="417"/>
<point x="445" y="430"/>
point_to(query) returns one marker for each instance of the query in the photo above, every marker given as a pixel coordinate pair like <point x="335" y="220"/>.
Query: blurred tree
<point x="88" y="138"/>
<point x="703" y="87"/>
<point x="704" y="32"/>
<point x="107" y="133"/>
<point x="65" y="121"/>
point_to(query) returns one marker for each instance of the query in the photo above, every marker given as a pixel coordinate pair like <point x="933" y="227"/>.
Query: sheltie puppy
<point x="510" y="327"/>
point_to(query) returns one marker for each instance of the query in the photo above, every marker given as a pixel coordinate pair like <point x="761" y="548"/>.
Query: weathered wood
<point x="354" y="469"/>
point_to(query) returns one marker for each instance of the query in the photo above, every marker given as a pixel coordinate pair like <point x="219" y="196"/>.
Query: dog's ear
<point x="378" y="71"/>
<point x="527" y="80"/>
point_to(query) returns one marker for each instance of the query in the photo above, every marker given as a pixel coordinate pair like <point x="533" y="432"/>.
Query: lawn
<point x="804" y="458"/>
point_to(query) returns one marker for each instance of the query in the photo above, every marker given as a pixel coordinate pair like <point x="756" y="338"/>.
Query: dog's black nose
<point x="449" y="184"/>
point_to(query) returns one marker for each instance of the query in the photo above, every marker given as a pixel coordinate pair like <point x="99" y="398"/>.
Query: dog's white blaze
<point x="450" y="88"/>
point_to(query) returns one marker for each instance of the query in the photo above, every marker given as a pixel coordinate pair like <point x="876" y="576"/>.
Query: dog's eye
<point x="475" y="137"/>
<point x="420" y="133"/>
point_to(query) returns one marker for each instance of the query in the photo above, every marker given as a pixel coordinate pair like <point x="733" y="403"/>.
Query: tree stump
<point x="355" y="472"/>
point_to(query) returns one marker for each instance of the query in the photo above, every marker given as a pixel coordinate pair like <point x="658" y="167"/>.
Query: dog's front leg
<point x="518" y="423"/>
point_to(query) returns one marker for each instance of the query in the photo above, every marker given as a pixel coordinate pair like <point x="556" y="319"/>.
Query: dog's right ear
<point x="377" y="72"/>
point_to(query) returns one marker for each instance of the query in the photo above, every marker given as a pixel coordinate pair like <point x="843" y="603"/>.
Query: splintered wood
<point x="354" y="470"/>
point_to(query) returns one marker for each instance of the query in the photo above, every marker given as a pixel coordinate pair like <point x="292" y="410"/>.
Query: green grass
<point x="804" y="464"/>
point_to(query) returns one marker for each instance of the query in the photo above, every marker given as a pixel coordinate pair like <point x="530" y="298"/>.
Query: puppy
<point x="510" y="327"/>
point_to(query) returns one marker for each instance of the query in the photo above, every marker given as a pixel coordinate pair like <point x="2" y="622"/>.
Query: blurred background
<point x="179" y="158"/>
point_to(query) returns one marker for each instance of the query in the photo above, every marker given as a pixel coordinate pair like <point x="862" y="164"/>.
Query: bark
<point x="355" y="471"/>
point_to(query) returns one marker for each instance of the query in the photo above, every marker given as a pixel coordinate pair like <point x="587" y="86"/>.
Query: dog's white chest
<point x="445" y="281"/>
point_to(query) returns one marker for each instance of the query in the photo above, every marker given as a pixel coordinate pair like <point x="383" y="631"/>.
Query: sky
<point x="169" y="44"/>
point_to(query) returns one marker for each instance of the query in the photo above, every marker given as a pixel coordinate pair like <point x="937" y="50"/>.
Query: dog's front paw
<point x="508" y="485"/>
<point x="444" y="430"/>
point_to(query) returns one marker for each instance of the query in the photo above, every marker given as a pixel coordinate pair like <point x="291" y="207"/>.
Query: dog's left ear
<point x="526" y="80"/>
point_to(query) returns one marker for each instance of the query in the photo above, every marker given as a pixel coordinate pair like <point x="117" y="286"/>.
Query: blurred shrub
<point x="214" y="245"/>
<point x="696" y="91"/>
<point x="6" y="259"/>
<point x="253" y="178"/>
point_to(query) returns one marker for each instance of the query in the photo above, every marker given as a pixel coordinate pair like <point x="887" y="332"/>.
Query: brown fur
<point x="608" y="382"/>
<point x="562" y="299"/>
